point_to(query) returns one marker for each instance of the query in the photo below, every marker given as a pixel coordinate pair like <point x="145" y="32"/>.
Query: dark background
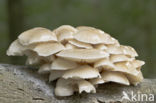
<point x="132" y="22"/>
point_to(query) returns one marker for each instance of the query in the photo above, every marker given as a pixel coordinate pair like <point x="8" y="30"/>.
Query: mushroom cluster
<point x="78" y="58"/>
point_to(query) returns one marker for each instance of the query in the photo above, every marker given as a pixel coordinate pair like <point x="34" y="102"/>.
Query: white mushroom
<point x="113" y="49"/>
<point x="16" y="49"/>
<point x="87" y="28"/>
<point x="55" y="74"/>
<point x="64" y="87"/>
<point x="45" y="68"/>
<point x="97" y="81"/>
<point x="126" y="67"/>
<point x="93" y="37"/>
<point x="80" y="44"/>
<point x="62" y="64"/>
<point x="116" y="42"/>
<point x="105" y="64"/>
<point x="100" y="46"/>
<point x="86" y="86"/>
<point x="135" y="79"/>
<point x="47" y="49"/>
<point x="33" y="60"/>
<point x="70" y="46"/>
<point x="83" y="55"/>
<point x="137" y="63"/>
<point x="120" y="58"/>
<point x="36" y="35"/>
<point x="84" y="72"/>
<point x="78" y="58"/>
<point x="65" y="32"/>
<point x="127" y="50"/>
<point x="117" y="77"/>
<point x="48" y="59"/>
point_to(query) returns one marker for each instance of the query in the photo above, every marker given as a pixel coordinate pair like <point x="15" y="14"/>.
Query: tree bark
<point x="22" y="84"/>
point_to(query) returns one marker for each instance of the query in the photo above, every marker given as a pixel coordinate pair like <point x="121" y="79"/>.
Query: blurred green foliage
<point x="132" y="22"/>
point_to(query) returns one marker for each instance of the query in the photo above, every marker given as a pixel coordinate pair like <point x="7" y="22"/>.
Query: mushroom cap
<point x="100" y="46"/>
<point x="55" y="74"/>
<point x="127" y="50"/>
<point x="116" y="42"/>
<point x="87" y="28"/>
<point x="137" y="63"/>
<point x="80" y="44"/>
<point x="63" y="64"/>
<point x="65" y="36"/>
<point x="36" y="35"/>
<point x="120" y="58"/>
<point x="117" y="77"/>
<point x="93" y="37"/>
<point x="135" y="79"/>
<point x="48" y="48"/>
<point x="65" y="32"/>
<point x="84" y="72"/>
<point x="70" y="46"/>
<point x="45" y="68"/>
<point x="105" y="64"/>
<point x="126" y="67"/>
<point x="86" y="86"/>
<point x="64" y="87"/>
<point x="83" y="55"/>
<point x="113" y="40"/>
<point x="16" y="49"/>
<point x="95" y="81"/>
<point x="113" y="49"/>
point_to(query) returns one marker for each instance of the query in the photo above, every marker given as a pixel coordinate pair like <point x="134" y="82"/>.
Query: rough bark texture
<point x="22" y="84"/>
